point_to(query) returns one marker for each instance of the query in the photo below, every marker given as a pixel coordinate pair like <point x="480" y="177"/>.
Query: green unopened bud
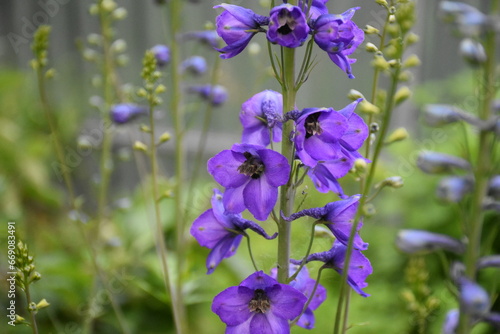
<point x="369" y="30"/>
<point x="254" y="49"/>
<point x="50" y="73"/>
<point x="368" y="107"/>
<point x="405" y="76"/>
<point x="140" y="146"/>
<point x="380" y="63"/>
<point x="145" y="128"/>
<point x="394" y="63"/>
<point x="84" y="143"/>
<point x="412" y="38"/>
<point x="411" y="61"/>
<point x="36" y="276"/>
<point x="360" y="165"/>
<point x="402" y="95"/>
<point x="392" y="18"/>
<point x="160" y="89"/>
<point x="108" y="5"/>
<point x="393" y="182"/>
<point x="369" y="210"/>
<point x="32" y="307"/>
<point x="94" y="39"/>
<point x="122" y="60"/>
<point x="119" y="46"/>
<point x="120" y="13"/>
<point x="370" y="47"/>
<point x="42" y="304"/>
<point x="19" y="320"/>
<point x="382" y="2"/>
<point x="94" y="9"/>
<point x="165" y="137"/>
<point x="90" y="55"/>
<point x="141" y="92"/>
<point x="354" y="95"/>
<point x="397" y="135"/>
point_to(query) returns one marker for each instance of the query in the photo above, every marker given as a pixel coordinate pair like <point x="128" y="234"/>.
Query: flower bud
<point x="368" y="107"/>
<point x="120" y="13"/>
<point x="140" y="146"/>
<point x="42" y="304"/>
<point x="162" y="54"/>
<point x="254" y="49"/>
<point x="160" y="89"/>
<point x="217" y="94"/>
<point x="165" y="137"/>
<point x="370" y="30"/>
<point x="473" y="298"/>
<point x="360" y="165"/>
<point x="108" y="5"/>
<point x="119" y="46"/>
<point x="451" y="322"/>
<point x="473" y="52"/>
<point x="452" y="189"/>
<point x="440" y="114"/>
<point x="380" y="63"/>
<point x="411" y="61"/>
<point x="370" y="47"/>
<point x="19" y="320"/>
<point x="393" y="182"/>
<point x="382" y="2"/>
<point x="398" y="135"/>
<point x="354" y="95"/>
<point x="437" y="163"/>
<point x="402" y="95"/>
<point x="36" y="276"/>
<point x="412" y="38"/>
<point x="492" y="261"/>
<point x="420" y="241"/>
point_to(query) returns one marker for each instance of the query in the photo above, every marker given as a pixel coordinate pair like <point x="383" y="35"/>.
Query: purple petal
<point x="244" y="15"/>
<point x="258" y="280"/>
<point x="343" y="62"/>
<point x="286" y="301"/>
<point x="207" y="230"/>
<point x="231" y="305"/>
<point x="224" y="169"/>
<point x="307" y="319"/>
<point x="333" y="125"/>
<point x="320" y="150"/>
<point x="277" y="169"/>
<point x="260" y="197"/>
<point x="218" y="209"/>
<point x="244" y="224"/>
<point x="268" y="323"/>
<point x="233" y="200"/>
<point x="225" y="248"/>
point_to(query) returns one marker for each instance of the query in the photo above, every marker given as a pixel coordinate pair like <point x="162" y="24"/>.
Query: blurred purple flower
<point x="287" y="26"/>
<point x="162" y="54"/>
<point x="452" y="189"/>
<point x="251" y="175"/>
<point x="474" y="300"/>
<point x="195" y="65"/>
<point x="260" y="115"/>
<point x="305" y="284"/>
<point x="221" y="232"/>
<point x="417" y="241"/>
<point x="125" y="112"/>
<point x="440" y="114"/>
<point x="216" y="95"/>
<point x="258" y="305"/>
<point x="437" y="163"/>
<point x="209" y="37"/>
<point x="324" y="134"/>
<point x="339" y="36"/>
<point x="451" y="322"/>
<point x="338" y="217"/>
<point x="359" y="266"/>
<point x="494" y="187"/>
<point x="236" y="26"/>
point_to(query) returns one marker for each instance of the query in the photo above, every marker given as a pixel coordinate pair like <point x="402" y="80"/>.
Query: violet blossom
<point x="196" y="65"/>
<point x="318" y="8"/>
<point x="260" y="116"/>
<point x="125" y="112"/>
<point x="251" y="175"/>
<point x="338" y="217"/>
<point x="359" y="266"/>
<point x="339" y="36"/>
<point x="287" y="26"/>
<point x="258" y="305"/>
<point x="305" y="284"/>
<point x="162" y="54"/>
<point x="208" y="37"/>
<point x="215" y="94"/>
<point x="236" y="26"/>
<point x="221" y="232"/>
<point x="326" y="134"/>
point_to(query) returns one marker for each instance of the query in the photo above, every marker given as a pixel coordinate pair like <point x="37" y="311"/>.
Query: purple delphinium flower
<point x="209" y="37"/>
<point x="251" y="175"/>
<point x="236" y="26"/>
<point x="259" y="116"/>
<point x="318" y="8"/>
<point x="196" y="65"/>
<point x="359" y="266"/>
<point x="339" y="36"/>
<point x="287" y="26"/>
<point x="222" y="232"/>
<point x="454" y="188"/>
<point x="305" y="284"/>
<point x="417" y="241"/>
<point x="437" y="163"/>
<point x="216" y="94"/>
<point x="451" y="322"/>
<point x="338" y="217"/>
<point x="325" y="134"/>
<point x="162" y="54"/>
<point x="258" y="305"/>
<point x="326" y="173"/>
<point x="125" y="112"/>
<point x="474" y="300"/>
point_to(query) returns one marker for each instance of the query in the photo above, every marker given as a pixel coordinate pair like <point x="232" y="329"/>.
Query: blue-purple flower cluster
<point x="326" y="143"/>
<point x="290" y="26"/>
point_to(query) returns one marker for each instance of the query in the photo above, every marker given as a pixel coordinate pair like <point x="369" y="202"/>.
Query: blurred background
<point x="32" y="195"/>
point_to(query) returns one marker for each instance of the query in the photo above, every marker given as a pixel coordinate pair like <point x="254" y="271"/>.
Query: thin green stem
<point x="287" y="192"/>
<point x="309" y="300"/>
<point x="34" y="326"/>
<point x="482" y="169"/>
<point x="308" y="251"/>
<point x="250" y="252"/>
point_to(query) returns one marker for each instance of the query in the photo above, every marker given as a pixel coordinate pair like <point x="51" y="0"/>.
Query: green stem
<point x="34" y="326"/>
<point x="482" y="170"/>
<point x="174" y="15"/>
<point x="250" y="252"/>
<point x="287" y="192"/>
<point x="309" y="247"/>
<point x="309" y="300"/>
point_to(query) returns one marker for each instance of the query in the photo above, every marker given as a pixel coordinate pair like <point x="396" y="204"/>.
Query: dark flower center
<point x="286" y="21"/>
<point x="260" y="302"/>
<point x="312" y="125"/>
<point x="252" y="166"/>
